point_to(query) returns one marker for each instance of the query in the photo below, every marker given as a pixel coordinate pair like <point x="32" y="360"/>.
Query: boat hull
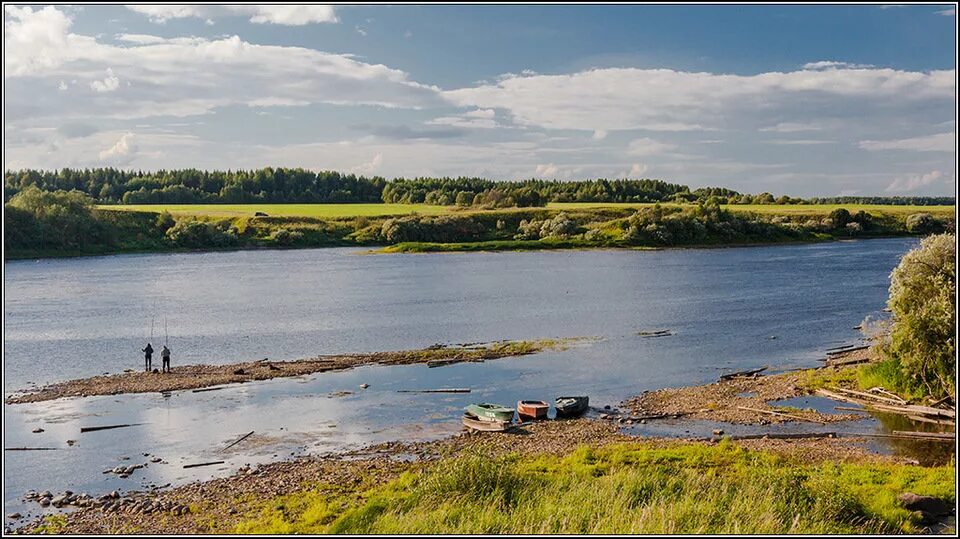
<point x="485" y="425"/>
<point x="490" y="412"/>
<point x="532" y="409"/>
<point x="571" y="406"/>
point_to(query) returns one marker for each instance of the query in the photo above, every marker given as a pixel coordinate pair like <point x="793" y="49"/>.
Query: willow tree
<point x="923" y="301"/>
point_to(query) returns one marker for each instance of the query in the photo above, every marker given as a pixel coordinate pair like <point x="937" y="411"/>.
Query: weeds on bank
<point x="625" y="488"/>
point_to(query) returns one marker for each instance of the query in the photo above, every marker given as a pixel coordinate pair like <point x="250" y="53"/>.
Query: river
<point x="67" y="318"/>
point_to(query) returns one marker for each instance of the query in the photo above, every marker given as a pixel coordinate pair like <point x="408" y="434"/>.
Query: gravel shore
<point x="726" y="401"/>
<point x="202" y="376"/>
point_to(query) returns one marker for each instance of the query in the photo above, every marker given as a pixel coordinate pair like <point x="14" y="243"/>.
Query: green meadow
<point x="285" y="210"/>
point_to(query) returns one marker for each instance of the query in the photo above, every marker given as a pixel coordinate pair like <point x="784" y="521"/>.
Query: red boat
<point x="532" y="409"/>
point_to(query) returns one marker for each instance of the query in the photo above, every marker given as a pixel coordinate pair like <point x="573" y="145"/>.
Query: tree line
<point x="297" y="185"/>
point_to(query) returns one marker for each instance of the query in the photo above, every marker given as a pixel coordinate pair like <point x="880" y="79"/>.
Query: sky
<point x="799" y="100"/>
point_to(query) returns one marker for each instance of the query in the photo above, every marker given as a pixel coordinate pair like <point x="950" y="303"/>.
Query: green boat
<point x="490" y="412"/>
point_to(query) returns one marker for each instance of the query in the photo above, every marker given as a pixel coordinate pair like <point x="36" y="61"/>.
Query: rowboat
<point x="532" y="409"/>
<point x="490" y="412"/>
<point x="486" y="425"/>
<point x="571" y="406"/>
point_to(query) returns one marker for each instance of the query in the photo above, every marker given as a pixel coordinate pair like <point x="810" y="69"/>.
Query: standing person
<point x="147" y="357"/>
<point x="165" y="356"/>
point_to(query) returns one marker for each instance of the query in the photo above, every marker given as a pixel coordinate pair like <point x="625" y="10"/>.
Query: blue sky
<point x="798" y="100"/>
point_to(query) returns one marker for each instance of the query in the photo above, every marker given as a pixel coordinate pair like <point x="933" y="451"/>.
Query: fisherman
<point x="147" y="357"/>
<point x="165" y="355"/>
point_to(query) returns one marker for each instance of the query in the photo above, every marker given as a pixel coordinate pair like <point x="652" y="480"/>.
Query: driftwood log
<point x="738" y="374"/>
<point x="238" y="440"/>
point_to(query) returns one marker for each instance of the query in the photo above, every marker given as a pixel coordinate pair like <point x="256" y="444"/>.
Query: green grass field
<point x="378" y="210"/>
<point x="286" y="210"/>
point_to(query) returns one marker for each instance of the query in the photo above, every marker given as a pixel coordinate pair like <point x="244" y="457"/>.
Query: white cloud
<point x="370" y="167"/>
<point x="488" y="114"/>
<point x="599" y="134"/>
<point x="162" y="13"/>
<point x="546" y="171"/>
<point x="791" y="127"/>
<point x="832" y="64"/>
<point x="648" y="146"/>
<point x="108" y="84"/>
<point x="122" y="152"/>
<point x="290" y="15"/>
<point x="360" y="30"/>
<point x="676" y="126"/>
<point x="948" y="12"/>
<point x="33" y="40"/>
<point x="941" y="142"/>
<point x="188" y="76"/>
<point x="637" y="170"/>
<point x="140" y="39"/>
<point x="478" y="119"/>
<point x="629" y="98"/>
<point x="906" y="184"/>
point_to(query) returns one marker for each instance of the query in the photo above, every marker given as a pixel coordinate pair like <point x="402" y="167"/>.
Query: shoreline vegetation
<point x="44" y="225"/>
<point x="110" y="211"/>
<point x="612" y="481"/>
<point x="198" y="377"/>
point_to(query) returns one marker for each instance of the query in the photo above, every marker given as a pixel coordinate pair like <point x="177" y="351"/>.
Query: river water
<point x="727" y="308"/>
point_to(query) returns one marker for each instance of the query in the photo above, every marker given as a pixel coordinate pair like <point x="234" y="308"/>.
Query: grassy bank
<point x="33" y="232"/>
<point x="623" y="488"/>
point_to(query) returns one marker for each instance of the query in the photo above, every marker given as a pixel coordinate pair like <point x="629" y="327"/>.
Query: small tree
<point x="921" y="223"/>
<point x="922" y="299"/>
<point x="840" y="217"/>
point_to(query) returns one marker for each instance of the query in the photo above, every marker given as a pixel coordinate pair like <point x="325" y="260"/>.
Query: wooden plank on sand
<point x="781" y="414"/>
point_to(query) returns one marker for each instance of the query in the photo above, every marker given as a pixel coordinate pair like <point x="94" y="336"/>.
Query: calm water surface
<point x="728" y="308"/>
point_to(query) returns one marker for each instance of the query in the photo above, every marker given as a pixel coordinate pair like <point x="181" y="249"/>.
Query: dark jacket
<point x="148" y="350"/>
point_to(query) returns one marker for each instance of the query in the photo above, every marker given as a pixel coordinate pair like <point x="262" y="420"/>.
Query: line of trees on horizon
<point x="297" y="185"/>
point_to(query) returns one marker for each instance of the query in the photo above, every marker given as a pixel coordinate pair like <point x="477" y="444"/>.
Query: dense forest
<point x="296" y="185"/>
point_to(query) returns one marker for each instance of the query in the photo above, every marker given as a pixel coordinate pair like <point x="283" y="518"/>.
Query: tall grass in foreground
<point x="628" y="488"/>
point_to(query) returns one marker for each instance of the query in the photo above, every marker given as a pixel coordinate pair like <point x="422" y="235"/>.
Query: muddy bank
<point x="217" y="506"/>
<point x="207" y="376"/>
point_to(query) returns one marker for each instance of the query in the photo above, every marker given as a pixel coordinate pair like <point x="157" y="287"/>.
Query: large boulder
<point x="926" y="504"/>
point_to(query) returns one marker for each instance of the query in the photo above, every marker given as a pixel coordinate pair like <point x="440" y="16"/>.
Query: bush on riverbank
<point x="625" y="488"/>
<point x="921" y="348"/>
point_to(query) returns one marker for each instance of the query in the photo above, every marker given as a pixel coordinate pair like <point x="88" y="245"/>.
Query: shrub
<point x="922" y="223"/>
<point x="922" y="289"/>
<point x="195" y="234"/>
<point x="285" y="236"/>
